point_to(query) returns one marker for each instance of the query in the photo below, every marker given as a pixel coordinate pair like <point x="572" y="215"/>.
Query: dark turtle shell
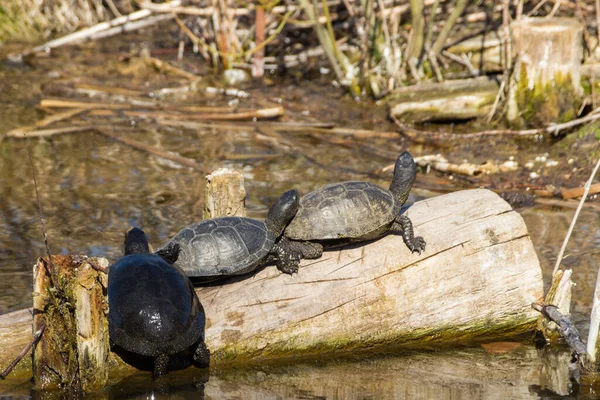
<point x="223" y="246"/>
<point x="346" y="210"/>
<point x="153" y="308"/>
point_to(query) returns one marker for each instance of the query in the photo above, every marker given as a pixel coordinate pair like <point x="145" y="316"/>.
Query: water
<point x="93" y="189"/>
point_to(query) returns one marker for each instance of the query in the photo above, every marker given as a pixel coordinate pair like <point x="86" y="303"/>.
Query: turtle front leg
<point x="286" y="260"/>
<point x="201" y="355"/>
<point x="404" y="226"/>
<point x="160" y="365"/>
<point x="308" y="250"/>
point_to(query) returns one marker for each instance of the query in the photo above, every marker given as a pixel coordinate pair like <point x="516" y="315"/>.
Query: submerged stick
<point x="21" y="355"/>
<point x="567" y="329"/>
<point x="48" y="132"/>
<point x="552" y="128"/>
<point x="19" y="132"/>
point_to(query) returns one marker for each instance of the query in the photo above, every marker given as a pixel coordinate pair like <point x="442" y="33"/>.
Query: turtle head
<point x="405" y="172"/>
<point x="282" y="212"/>
<point x="169" y="253"/>
<point x="136" y="242"/>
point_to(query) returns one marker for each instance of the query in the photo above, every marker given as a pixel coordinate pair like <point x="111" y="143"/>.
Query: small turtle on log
<point x="353" y="211"/>
<point x="227" y="246"/>
<point x="153" y="308"/>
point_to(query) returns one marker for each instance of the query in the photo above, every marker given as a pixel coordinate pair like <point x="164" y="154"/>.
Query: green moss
<point x="555" y="101"/>
<point x="298" y="345"/>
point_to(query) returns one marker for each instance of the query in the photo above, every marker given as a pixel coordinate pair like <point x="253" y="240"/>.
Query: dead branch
<point x="568" y="331"/>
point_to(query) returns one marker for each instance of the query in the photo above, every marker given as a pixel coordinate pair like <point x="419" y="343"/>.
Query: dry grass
<point x="34" y="20"/>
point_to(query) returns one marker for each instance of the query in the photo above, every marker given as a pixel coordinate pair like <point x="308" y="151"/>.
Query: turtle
<point x="353" y="211"/>
<point x="153" y="308"/>
<point x="227" y="246"/>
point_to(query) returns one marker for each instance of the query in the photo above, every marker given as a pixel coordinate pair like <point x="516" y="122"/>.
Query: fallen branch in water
<point x="66" y="103"/>
<point x="48" y="132"/>
<point x="23" y="353"/>
<point x="568" y="331"/>
<point x="553" y="129"/>
<point x="17" y="132"/>
<point x="579" y="191"/>
<point x="264" y="113"/>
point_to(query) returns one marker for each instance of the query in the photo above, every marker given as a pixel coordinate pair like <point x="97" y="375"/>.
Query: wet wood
<point x="579" y="191"/>
<point x="477" y="278"/>
<point x="566" y="327"/>
<point x="225" y="194"/>
<point x="74" y="350"/>
<point x="559" y="295"/>
<point x="446" y="101"/>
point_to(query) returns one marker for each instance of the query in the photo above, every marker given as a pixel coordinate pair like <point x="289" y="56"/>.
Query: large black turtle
<point x="153" y="308"/>
<point x="227" y="246"/>
<point x="354" y="211"/>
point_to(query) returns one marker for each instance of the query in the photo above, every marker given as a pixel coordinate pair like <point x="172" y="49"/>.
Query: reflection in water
<point x="458" y="374"/>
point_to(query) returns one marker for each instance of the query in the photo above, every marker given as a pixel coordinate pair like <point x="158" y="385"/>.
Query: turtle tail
<point x="136" y="242"/>
<point x="405" y="172"/>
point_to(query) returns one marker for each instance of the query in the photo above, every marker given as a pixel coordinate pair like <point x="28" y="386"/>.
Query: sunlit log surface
<point x="477" y="278"/>
<point x="445" y="101"/>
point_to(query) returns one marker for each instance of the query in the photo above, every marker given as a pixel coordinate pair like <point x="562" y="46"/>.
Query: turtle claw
<point x="289" y="263"/>
<point x="417" y="245"/>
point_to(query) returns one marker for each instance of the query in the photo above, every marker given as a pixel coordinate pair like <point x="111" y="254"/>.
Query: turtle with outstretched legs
<point x="353" y="211"/>
<point x="153" y="308"/>
<point x="227" y="246"/>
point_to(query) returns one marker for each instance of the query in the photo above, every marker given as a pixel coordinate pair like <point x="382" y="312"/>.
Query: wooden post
<point x="73" y="351"/>
<point x="225" y="194"/>
<point x="545" y="85"/>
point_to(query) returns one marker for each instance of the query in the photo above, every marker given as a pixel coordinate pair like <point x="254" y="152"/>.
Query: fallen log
<point x="445" y="101"/>
<point x="476" y="279"/>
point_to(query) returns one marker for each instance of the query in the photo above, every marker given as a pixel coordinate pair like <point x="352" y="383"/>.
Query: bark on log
<point x="477" y="278"/>
<point x="546" y="81"/>
<point x="446" y="101"/>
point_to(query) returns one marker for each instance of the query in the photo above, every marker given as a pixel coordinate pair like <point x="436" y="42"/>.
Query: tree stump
<point x="225" y="194"/>
<point x="545" y="85"/>
<point x="71" y="303"/>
